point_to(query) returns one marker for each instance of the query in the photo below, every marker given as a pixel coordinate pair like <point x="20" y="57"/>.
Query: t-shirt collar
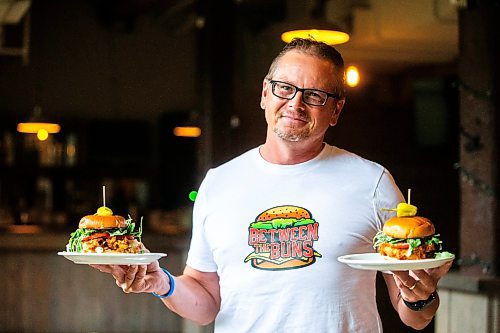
<point x="287" y="169"/>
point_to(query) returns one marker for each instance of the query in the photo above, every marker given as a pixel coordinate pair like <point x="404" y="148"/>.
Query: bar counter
<point x="471" y="283"/>
<point x="469" y="303"/>
<point x="34" y="238"/>
<point x="45" y="292"/>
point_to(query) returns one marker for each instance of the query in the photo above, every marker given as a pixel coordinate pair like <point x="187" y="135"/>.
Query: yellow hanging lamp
<point x="39" y="126"/>
<point x="316" y="27"/>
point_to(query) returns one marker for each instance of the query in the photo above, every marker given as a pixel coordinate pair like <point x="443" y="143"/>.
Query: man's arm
<point x="412" y="287"/>
<point x="196" y="295"/>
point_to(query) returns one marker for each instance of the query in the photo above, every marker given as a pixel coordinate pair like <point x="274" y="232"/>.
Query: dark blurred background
<point x="119" y="76"/>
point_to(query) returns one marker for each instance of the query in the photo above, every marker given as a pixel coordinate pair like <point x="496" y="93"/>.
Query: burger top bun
<point x="284" y="212"/>
<point x="408" y="227"/>
<point x="102" y="222"/>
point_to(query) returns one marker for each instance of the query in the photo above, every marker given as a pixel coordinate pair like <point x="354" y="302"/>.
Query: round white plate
<point x="376" y="262"/>
<point x="112" y="258"/>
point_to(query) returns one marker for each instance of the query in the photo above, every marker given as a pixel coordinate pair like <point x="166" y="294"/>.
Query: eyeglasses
<point x="309" y="96"/>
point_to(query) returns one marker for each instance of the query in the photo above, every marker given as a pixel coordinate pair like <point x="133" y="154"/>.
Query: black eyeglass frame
<point x="302" y="90"/>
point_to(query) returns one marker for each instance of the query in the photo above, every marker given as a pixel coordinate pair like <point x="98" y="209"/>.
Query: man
<point x="269" y="225"/>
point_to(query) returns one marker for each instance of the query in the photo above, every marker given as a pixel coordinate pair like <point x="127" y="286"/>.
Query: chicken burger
<point x="408" y="238"/>
<point x="104" y="232"/>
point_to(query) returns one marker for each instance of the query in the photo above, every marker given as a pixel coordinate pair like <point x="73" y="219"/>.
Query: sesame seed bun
<point x="284" y="212"/>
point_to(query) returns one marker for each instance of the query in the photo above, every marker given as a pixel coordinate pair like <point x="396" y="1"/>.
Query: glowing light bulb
<point x="42" y="134"/>
<point x="352" y="76"/>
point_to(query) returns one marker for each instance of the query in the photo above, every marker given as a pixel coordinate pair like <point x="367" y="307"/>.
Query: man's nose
<point x="296" y="101"/>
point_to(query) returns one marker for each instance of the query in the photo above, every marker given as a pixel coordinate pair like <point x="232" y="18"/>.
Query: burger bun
<point x="102" y="222"/>
<point x="283" y="212"/>
<point x="409" y="227"/>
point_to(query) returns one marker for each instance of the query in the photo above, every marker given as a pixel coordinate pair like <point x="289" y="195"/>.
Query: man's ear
<point x="263" y="95"/>
<point x="339" y="105"/>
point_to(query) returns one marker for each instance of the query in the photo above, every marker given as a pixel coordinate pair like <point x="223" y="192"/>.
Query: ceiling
<point x="402" y="32"/>
<point x="12" y="11"/>
<point x="384" y="33"/>
<point x="387" y="34"/>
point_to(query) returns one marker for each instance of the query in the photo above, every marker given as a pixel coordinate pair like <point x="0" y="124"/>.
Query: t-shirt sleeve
<point x="387" y="195"/>
<point x="200" y="254"/>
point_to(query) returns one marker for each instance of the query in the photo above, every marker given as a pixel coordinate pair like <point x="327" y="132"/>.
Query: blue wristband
<point x="172" y="285"/>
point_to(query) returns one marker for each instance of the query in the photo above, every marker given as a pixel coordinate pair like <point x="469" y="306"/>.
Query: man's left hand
<point x="419" y="284"/>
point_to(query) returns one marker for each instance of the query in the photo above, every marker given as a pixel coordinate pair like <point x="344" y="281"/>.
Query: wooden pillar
<point x="479" y="141"/>
<point x="470" y="298"/>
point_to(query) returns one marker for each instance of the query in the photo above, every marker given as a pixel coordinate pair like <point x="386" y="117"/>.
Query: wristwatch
<point x="420" y="305"/>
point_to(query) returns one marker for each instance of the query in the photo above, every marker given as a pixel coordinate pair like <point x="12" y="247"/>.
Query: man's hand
<point x="414" y="286"/>
<point x="138" y="278"/>
<point x="419" y="284"/>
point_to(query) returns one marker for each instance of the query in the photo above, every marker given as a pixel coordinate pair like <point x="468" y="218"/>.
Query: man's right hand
<point x="138" y="278"/>
<point x="196" y="296"/>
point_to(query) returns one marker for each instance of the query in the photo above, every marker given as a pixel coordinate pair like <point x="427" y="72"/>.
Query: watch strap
<point x="420" y="305"/>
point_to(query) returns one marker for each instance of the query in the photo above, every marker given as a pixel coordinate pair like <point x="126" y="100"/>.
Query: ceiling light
<point x="187" y="131"/>
<point x="352" y="76"/>
<point x="36" y="124"/>
<point x="318" y="30"/>
<point x="316" y="27"/>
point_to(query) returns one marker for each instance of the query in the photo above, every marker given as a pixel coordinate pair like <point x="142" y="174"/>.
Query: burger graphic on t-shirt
<point x="282" y="238"/>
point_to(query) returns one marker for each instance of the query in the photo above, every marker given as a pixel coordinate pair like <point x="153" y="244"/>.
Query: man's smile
<point x="292" y="118"/>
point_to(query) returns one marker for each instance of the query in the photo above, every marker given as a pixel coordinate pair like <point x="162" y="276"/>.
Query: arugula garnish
<point x="444" y="255"/>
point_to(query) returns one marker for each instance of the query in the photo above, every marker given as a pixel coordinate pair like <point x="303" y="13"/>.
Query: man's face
<point x="294" y="120"/>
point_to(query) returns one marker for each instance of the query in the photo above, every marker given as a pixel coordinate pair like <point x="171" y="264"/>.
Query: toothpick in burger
<point x="104" y="232"/>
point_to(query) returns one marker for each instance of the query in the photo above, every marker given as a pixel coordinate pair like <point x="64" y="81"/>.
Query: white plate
<point x="112" y="258"/>
<point x="376" y="262"/>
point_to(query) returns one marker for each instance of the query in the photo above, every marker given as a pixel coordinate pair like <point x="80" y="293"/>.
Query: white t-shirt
<point x="344" y="194"/>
